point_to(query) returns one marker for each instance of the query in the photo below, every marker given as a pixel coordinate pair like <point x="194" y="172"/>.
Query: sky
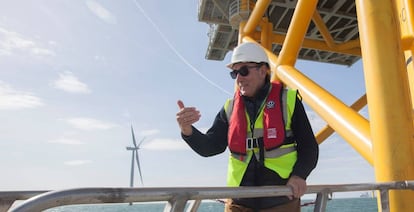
<point x="76" y="75"/>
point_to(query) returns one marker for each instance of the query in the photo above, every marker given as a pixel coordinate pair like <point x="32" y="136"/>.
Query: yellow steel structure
<point x="386" y="45"/>
<point x="388" y="95"/>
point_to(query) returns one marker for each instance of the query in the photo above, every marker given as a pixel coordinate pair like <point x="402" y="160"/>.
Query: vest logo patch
<point x="270" y="104"/>
<point x="271" y="133"/>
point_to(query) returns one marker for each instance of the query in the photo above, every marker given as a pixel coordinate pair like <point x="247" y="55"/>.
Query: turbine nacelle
<point x="132" y="148"/>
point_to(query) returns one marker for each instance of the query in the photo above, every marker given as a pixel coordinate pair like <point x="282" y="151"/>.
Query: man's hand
<point x="186" y="117"/>
<point x="298" y="186"/>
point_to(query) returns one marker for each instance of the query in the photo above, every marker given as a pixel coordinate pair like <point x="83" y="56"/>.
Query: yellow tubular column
<point x="256" y="16"/>
<point x="405" y="9"/>
<point x="297" y="31"/>
<point x="266" y="35"/>
<point x="241" y="34"/>
<point x="388" y="96"/>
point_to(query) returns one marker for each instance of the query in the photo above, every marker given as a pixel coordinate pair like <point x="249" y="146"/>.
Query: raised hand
<point x="186" y="117"/>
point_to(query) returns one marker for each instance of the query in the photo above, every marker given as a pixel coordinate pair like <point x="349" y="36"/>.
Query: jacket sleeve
<point x="214" y="141"/>
<point x="307" y="147"/>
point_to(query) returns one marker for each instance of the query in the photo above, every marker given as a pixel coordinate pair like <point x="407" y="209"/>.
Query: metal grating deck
<point x="339" y="17"/>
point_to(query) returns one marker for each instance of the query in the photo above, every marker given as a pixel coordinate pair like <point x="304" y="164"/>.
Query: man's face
<point x="253" y="81"/>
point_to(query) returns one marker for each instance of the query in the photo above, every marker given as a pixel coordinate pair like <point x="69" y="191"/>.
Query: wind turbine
<point x="134" y="150"/>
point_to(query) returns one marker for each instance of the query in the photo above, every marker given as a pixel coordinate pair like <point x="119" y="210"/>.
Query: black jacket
<point x="215" y="142"/>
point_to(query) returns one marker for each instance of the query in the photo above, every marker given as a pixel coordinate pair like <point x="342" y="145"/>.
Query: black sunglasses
<point x="244" y="71"/>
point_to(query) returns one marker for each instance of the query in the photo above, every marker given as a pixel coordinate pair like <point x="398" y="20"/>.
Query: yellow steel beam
<point x="351" y="47"/>
<point x="297" y="31"/>
<point x="266" y="33"/>
<point x="327" y="131"/>
<point x="320" y="24"/>
<point x="356" y="135"/>
<point x="241" y="33"/>
<point x="256" y="16"/>
<point x="388" y="96"/>
<point x="330" y="42"/>
<point x="349" y="124"/>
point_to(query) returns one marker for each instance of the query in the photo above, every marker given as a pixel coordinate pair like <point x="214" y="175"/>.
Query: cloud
<point x="68" y="141"/>
<point x="89" y="124"/>
<point x="149" y="132"/>
<point x="101" y="12"/>
<point x="165" y="144"/>
<point x="77" y="162"/>
<point x="11" y="99"/>
<point x="13" y="42"/>
<point x="70" y="83"/>
<point x="42" y="52"/>
<point x="315" y="120"/>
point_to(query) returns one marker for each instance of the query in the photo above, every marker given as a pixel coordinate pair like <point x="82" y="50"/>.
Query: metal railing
<point x="178" y="197"/>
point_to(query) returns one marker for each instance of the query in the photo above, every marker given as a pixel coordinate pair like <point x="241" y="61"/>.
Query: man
<point x="266" y="130"/>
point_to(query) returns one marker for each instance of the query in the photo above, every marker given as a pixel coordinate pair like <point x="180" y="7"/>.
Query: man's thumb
<point x="180" y="104"/>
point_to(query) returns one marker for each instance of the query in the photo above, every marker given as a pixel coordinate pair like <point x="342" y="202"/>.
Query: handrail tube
<point x="7" y="198"/>
<point x="125" y="195"/>
<point x="20" y="194"/>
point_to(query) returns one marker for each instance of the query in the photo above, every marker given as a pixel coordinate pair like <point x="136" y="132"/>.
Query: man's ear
<point x="264" y="70"/>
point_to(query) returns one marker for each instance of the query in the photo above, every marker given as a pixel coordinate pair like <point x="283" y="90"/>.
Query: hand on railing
<point x="298" y="186"/>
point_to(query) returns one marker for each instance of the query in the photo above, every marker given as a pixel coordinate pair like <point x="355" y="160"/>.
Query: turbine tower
<point x="135" y="156"/>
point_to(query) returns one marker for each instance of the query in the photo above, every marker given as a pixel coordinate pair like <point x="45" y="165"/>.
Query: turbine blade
<point x="133" y="136"/>
<point x="139" y="167"/>
<point x="142" y="140"/>
<point x="131" y="181"/>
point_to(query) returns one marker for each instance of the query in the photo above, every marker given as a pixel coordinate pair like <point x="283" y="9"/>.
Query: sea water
<point x="334" y="205"/>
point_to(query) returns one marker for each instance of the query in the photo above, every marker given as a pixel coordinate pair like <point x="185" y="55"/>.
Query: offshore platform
<point x="380" y="32"/>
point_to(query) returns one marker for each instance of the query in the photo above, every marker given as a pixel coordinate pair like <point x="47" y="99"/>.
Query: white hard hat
<point x="248" y="52"/>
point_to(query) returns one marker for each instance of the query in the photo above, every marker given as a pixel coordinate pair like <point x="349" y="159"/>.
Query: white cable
<point x="176" y="52"/>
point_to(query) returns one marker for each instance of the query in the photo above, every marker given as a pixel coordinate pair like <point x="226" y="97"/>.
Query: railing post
<point x="176" y="204"/>
<point x="385" y="202"/>
<point x="321" y="201"/>
<point x="193" y="206"/>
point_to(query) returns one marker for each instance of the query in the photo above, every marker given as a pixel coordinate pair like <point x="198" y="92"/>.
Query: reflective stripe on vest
<point x="281" y="160"/>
